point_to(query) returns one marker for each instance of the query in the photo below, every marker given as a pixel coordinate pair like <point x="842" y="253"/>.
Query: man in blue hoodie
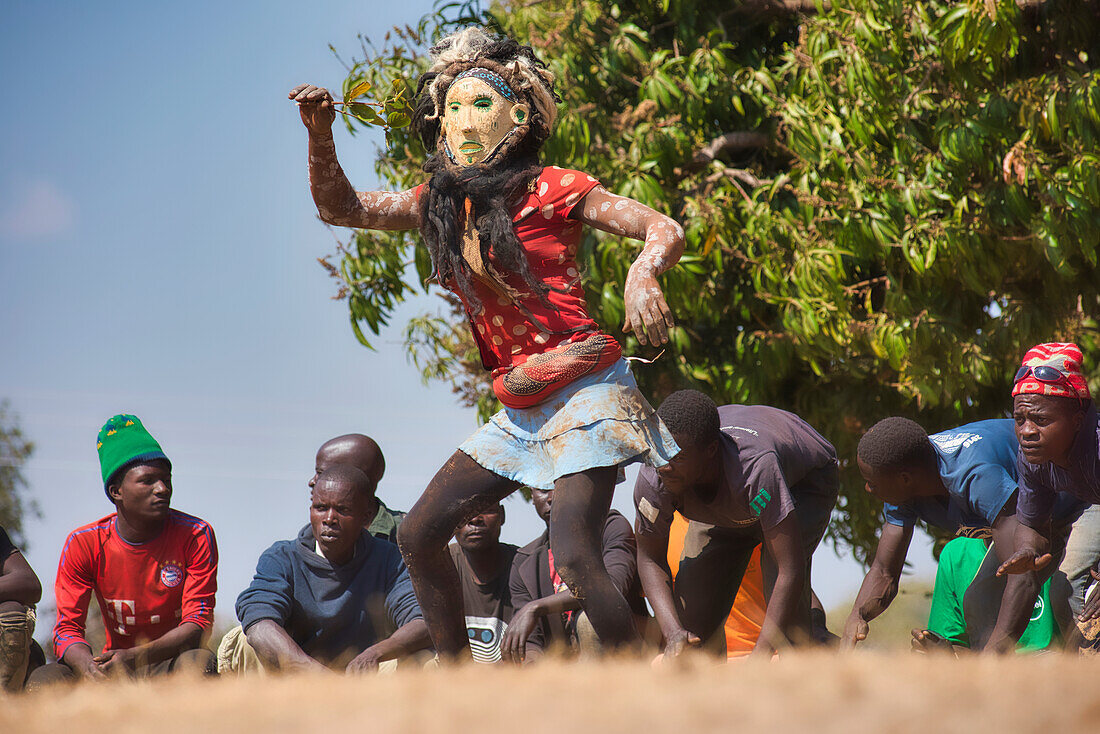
<point x="334" y="598"/>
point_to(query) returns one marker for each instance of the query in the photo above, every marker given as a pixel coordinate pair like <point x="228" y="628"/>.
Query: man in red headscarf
<point x="1059" y="435"/>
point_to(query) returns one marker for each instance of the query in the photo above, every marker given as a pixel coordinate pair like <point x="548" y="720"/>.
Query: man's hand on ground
<point x="115" y="662"/>
<point x="1092" y="600"/>
<point x="855" y="631"/>
<point x="925" y="641"/>
<point x="365" y="662"/>
<point x="680" y="641"/>
<point x="92" y="671"/>
<point x="315" y="104"/>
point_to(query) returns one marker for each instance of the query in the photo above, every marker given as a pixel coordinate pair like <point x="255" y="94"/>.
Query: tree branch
<point x="734" y="141"/>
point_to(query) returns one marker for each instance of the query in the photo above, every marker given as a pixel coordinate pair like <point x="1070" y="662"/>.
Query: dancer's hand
<point x="647" y="313"/>
<point x="315" y="104"/>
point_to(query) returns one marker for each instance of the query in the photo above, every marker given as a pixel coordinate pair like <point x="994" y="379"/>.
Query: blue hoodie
<point x="332" y="612"/>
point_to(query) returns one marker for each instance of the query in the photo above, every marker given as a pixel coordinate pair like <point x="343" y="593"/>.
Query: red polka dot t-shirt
<point x="507" y="334"/>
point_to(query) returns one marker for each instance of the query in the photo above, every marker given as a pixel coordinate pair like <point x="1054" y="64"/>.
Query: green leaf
<point x="357" y="91"/>
<point x="398" y="120"/>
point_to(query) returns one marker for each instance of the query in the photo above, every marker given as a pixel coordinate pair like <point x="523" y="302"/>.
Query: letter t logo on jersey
<point x="122" y="611"/>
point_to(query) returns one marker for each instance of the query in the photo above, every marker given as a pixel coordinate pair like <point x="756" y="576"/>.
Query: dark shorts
<point x="714" y="560"/>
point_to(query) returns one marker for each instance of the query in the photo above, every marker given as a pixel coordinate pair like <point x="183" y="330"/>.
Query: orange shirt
<point x="747" y="614"/>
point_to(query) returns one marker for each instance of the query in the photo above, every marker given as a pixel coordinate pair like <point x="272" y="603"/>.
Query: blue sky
<point x="157" y="257"/>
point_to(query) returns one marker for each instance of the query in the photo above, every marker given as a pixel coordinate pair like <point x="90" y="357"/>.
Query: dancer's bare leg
<point x="577" y="518"/>
<point x="460" y="490"/>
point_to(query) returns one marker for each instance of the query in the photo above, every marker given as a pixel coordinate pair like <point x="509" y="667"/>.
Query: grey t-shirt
<point x="488" y="607"/>
<point x="765" y="453"/>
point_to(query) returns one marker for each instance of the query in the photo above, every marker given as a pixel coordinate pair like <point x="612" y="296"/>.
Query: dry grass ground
<point x="870" y="692"/>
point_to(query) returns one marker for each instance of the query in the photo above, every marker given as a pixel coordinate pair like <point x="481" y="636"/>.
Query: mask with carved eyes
<point x="477" y="118"/>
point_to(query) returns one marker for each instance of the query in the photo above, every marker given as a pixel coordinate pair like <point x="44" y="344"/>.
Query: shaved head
<point x="353" y="449"/>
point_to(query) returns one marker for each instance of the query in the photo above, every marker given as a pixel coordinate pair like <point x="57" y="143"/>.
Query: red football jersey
<point x="144" y="590"/>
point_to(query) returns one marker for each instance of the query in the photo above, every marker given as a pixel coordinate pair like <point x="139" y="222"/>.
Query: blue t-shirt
<point x="978" y="466"/>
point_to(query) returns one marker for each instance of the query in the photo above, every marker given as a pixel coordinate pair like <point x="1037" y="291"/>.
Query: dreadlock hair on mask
<point x="493" y="185"/>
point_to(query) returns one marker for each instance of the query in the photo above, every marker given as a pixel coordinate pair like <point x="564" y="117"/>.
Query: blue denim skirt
<point x="600" y="420"/>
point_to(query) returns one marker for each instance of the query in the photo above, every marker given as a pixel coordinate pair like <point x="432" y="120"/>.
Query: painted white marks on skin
<point x="605" y="206"/>
<point x="615" y="226"/>
<point x="621" y="204"/>
<point x="591" y="212"/>
<point x="338" y="203"/>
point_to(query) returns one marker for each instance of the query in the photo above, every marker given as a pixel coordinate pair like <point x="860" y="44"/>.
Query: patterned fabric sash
<point x="538" y="378"/>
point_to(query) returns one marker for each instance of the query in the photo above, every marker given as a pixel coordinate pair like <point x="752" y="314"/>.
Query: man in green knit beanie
<point x="153" y="570"/>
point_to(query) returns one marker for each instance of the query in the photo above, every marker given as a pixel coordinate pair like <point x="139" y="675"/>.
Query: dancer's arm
<point x="647" y="313"/>
<point x="337" y="202"/>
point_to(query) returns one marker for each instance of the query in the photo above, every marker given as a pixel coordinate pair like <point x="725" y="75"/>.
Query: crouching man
<point x="20" y="590"/>
<point x="335" y="598"/>
<point x="153" y="571"/>
<point x="746" y="475"/>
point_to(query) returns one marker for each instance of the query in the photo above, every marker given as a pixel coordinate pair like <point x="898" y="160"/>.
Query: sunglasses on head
<point x="1044" y="373"/>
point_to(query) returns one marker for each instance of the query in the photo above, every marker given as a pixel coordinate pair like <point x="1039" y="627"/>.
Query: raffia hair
<point x="517" y="64"/>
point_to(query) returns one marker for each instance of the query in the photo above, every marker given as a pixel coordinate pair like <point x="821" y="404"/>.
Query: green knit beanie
<point x="124" y="441"/>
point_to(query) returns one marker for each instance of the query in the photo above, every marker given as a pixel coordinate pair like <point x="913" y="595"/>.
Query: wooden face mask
<point x="480" y="112"/>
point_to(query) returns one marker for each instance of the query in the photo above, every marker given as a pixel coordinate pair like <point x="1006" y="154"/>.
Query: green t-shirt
<point x="959" y="564"/>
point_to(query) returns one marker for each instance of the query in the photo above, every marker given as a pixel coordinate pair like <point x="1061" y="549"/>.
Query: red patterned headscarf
<point x="1065" y="358"/>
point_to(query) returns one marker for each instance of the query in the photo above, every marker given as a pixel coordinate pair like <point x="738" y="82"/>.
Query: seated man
<point x="20" y="590"/>
<point x="745" y="474"/>
<point x="949" y="625"/>
<point x="546" y="613"/>
<point x="334" y="598"/>
<point x="365" y="455"/>
<point x="962" y="477"/>
<point x="153" y="571"/>
<point x="1059" y="433"/>
<point x="484" y="565"/>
